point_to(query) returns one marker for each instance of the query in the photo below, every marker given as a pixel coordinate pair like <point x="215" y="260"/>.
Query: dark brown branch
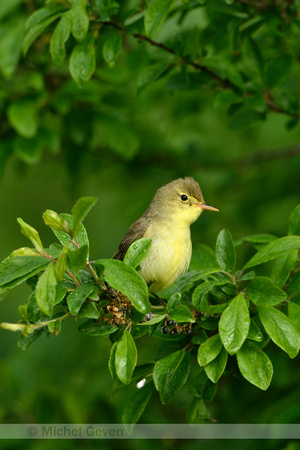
<point x="276" y="108"/>
<point x="224" y="83"/>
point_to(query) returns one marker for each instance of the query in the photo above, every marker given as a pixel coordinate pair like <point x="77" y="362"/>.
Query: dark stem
<point x="224" y="83"/>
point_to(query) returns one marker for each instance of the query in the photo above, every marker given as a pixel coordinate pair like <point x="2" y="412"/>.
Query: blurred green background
<point x="109" y="142"/>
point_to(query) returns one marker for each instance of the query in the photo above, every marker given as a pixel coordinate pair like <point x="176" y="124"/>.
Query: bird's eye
<point x="184" y="197"/>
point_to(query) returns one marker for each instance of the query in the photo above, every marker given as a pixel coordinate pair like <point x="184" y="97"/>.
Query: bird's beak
<point x="208" y="207"/>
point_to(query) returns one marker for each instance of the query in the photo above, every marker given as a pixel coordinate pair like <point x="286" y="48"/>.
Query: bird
<point x="167" y="221"/>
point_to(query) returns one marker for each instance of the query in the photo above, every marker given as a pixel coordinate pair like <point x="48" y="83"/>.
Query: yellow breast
<point x="169" y="256"/>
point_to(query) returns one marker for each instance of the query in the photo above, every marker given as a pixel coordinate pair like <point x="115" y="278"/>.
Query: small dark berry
<point x="170" y="322"/>
<point x="172" y="332"/>
<point x="177" y="330"/>
<point x="188" y="331"/>
<point x="165" y="330"/>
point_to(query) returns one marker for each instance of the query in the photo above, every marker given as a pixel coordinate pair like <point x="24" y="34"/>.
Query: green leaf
<point x="59" y="38"/>
<point x="226" y="98"/>
<point x="60" y="266"/>
<point x="83" y="61"/>
<point x="23" y="117"/>
<point x="155" y="14"/>
<point x="255" y="366"/>
<point x="64" y="237"/>
<point x="79" y="19"/>
<point x="173" y="301"/>
<point x="80" y="210"/>
<point x="209" y="350"/>
<point x="31" y="233"/>
<point x="92" y="328"/>
<point x="254" y="332"/>
<point x="247" y="276"/>
<point x="181" y="313"/>
<point x="25" y="341"/>
<point x="294" y="221"/>
<point x="225" y="251"/>
<point x="281" y="330"/>
<point x="244" y="117"/>
<point x="60" y="293"/>
<point x="78" y="296"/>
<point x="186" y="282"/>
<point x="28" y="150"/>
<point x="56" y="222"/>
<point x="263" y="292"/>
<point x="126" y="280"/>
<point x="225" y="69"/>
<point x="200" y="386"/>
<point x="135" y="406"/>
<point x="277" y="70"/>
<point x="45" y="290"/>
<point x="203" y="289"/>
<point x="170" y="374"/>
<point x="216" y="367"/>
<point x="143" y="370"/>
<point x="137" y="252"/>
<point x="40" y="14"/>
<point x="154" y="320"/>
<point x="112" y="366"/>
<point x="55" y="327"/>
<point x="111" y="48"/>
<point x="273" y="250"/>
<point x="256" y="102"/>
<point x="89" y="310"/>
<point x="24" y="251"/>
<point x="35" y="30"/>
<point x="283" y="266"/>
<point x="77" y="257"/>
<point x="126" y="357"/>
<point x="11" y="46"/>
<point x="234" y="324"/>
<point x="262" y="238"/>
<point x="19" y="268"/>
<point x="152" y="73"/>
<point x="197" y="411"/>
<point x="207" y="308"/>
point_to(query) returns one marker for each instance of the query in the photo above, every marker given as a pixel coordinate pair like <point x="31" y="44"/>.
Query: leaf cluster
<point x="245" y="53"/>
<point x="216" y="320"/>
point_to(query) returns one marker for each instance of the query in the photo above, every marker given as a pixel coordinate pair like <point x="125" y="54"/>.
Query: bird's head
<point x="181" y="200"/>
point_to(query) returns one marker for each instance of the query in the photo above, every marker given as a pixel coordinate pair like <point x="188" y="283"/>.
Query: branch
<point x="223" y="82"/>
<point x="33" y="327"/>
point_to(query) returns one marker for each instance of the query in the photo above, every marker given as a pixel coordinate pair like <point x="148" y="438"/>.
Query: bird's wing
<point x="135" y="231"/>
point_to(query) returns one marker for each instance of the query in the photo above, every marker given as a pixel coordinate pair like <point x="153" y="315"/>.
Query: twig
<point x="92" y="271"/>
<point x="223" y="82"/>
<point x="21" y="326"/>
